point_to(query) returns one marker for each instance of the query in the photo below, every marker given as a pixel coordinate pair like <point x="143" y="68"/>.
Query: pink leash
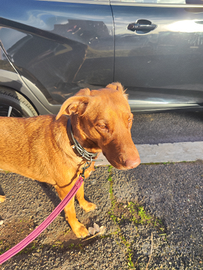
<point x="17" y="248"/>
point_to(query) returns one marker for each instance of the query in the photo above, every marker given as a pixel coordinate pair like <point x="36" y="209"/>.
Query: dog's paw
<point x="2" y="198"/>
<point x="88" y="206"/>
<point x="81" y="231"/>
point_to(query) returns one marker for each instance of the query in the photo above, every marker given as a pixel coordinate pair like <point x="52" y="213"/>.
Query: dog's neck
<point x="76" y="145"/>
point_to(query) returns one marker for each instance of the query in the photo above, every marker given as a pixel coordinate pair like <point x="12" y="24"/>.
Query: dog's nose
<point x="132" y="163"/>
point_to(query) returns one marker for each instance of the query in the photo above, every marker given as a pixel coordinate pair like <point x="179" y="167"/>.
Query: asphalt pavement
<point x="153" y="214"/>
<point x="167" y="137"/>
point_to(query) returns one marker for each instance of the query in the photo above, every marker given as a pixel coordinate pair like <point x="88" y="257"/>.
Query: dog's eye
<point x="130" y="120"/>
<point x="102" y="127"/>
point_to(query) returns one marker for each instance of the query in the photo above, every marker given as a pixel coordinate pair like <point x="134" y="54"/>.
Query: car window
<point x="162" y="1"/>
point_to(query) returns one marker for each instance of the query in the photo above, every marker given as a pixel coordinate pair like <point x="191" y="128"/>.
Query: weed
<point x="28" y="249"/>
<point x="144" y="217"/>
<point x="134" y="212"/>
<point x="113" y="200"/>
<point x="110" y="168"/>
<point x="6" y="172"/>
<point x="115" y="207"/>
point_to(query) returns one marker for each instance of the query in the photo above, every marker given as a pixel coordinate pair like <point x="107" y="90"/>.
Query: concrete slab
<point x="165" y="152"/>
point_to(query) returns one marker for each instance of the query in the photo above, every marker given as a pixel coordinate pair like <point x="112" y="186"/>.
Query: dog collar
<point x="81" y="151"/>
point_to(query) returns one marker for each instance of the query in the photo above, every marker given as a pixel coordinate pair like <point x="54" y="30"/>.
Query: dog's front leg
<point x="77" y="227"/>
<point x="87" y="206"/>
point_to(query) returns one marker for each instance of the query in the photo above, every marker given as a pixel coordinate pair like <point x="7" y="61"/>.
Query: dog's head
<point x="102" y="120"/>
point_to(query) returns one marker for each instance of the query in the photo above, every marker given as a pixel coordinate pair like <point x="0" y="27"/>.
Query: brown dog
<point x="41" y="148"/>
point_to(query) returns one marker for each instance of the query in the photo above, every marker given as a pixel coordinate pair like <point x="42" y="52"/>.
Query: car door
<point x="159" y="52"/>
<point x="58" y="46"/>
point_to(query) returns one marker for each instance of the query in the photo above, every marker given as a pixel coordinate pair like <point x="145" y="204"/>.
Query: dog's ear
<point x="116" y="85"/>
<point x="75" y="104"/>
<point x="83" y="92"/>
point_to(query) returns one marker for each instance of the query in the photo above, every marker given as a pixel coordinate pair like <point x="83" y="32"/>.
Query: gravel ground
<point x="152" y="214"/>
<point x="167" y="127"/>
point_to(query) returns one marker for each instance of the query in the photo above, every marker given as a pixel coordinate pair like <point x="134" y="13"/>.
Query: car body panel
<point x="52" y="48"/>
<point x="59" y="47"/>
<point x="160" y="66"/>
<point x="10" y="79"/>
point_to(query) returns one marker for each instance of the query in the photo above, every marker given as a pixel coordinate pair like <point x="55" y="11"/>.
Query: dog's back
<point x="21" y="141"/>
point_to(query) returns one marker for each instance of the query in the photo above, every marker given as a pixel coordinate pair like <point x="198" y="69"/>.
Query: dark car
<point x="49" y="49"/>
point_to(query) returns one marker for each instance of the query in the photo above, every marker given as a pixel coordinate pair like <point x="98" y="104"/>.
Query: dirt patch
<point x="67" y="240"/>
<point x="15" y="231"/>
<point x="152" y="218"/>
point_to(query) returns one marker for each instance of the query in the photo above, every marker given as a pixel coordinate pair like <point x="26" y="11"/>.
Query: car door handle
<point x="142" y="26"/>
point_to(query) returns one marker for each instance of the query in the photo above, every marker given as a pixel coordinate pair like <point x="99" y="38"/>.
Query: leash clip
<point x="86" y="166"/>
<point x="79" y="181"/>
